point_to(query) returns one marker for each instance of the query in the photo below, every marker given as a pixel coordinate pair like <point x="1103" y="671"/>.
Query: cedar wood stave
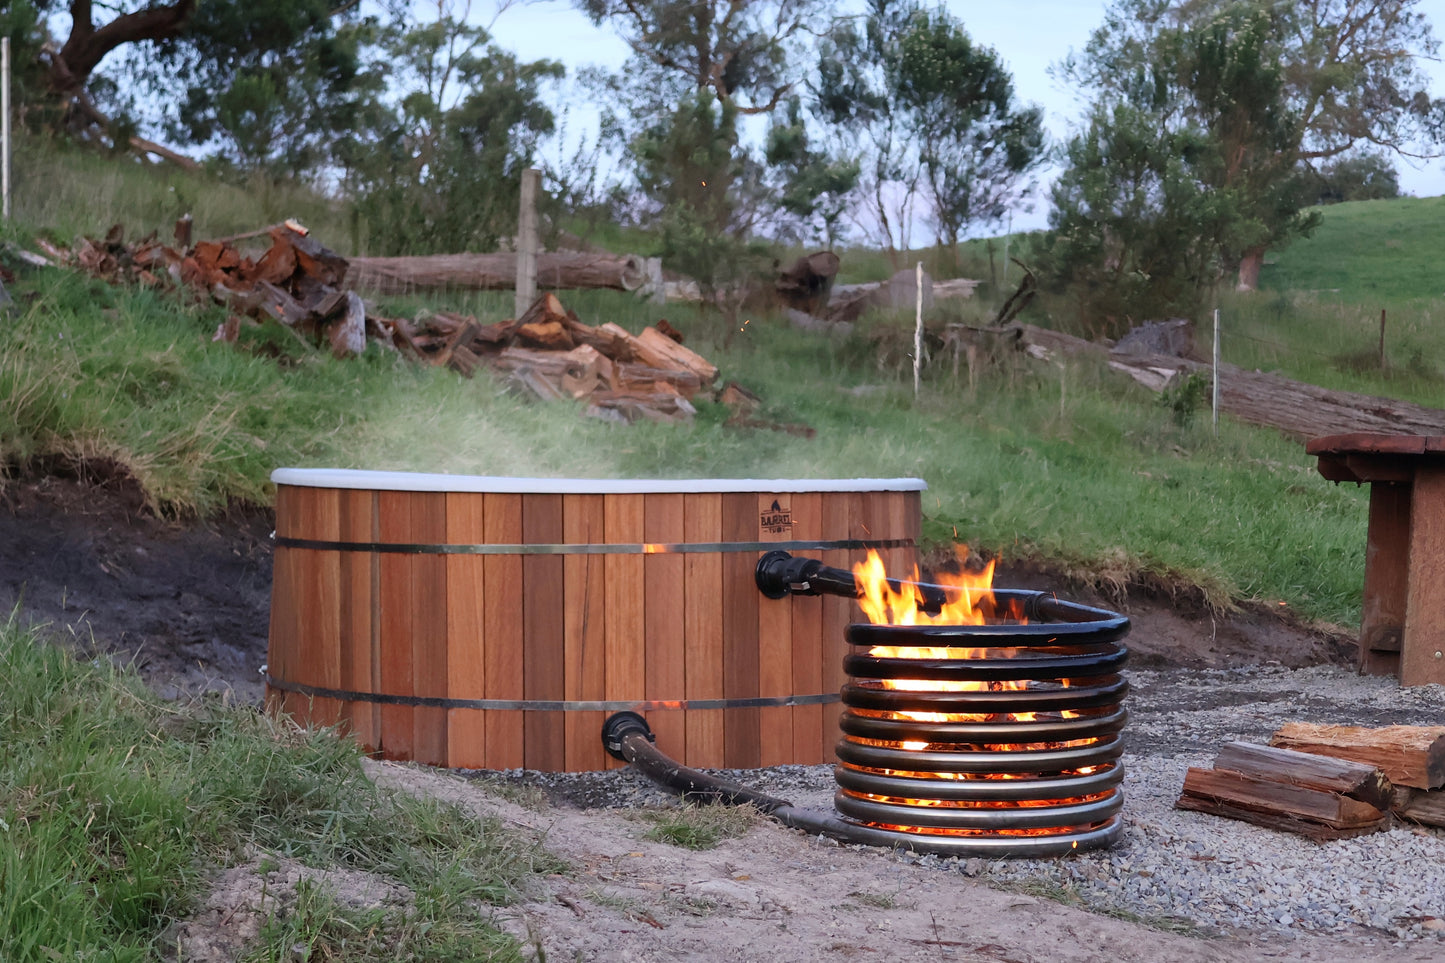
<point x="576" y="627"/>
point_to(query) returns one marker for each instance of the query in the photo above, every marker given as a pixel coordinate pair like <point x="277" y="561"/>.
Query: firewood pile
<point x="1326" y="782"/>
<point x="550" y="353"/>
<point x="301" y="285"/>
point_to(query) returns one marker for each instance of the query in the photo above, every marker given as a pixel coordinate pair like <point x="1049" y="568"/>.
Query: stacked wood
<point x="301" y="285"/>
<point x="1319" y="797"/>
<point x="550" y="353"/>
<point x="1410" y="755"/>
<point x="298" y="282"/>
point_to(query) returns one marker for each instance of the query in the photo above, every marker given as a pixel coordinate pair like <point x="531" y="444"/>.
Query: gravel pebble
<point x="1176" y="868"/>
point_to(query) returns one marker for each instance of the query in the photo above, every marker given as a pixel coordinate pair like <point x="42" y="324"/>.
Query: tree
<point x="440" y="169"/>
<point x="743" y="52"/>
<point x="234" y="63"/>
<point x="936" y="115"/>
<point x="1347" y="71"/>
<point x="813" y="188"/>
<point x="1189" y="164"/>
<point x="1356" y="177"/>
<point x="274" y="84"/>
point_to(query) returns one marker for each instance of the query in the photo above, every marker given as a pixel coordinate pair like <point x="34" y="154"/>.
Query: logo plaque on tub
<point x="776" y="519"/>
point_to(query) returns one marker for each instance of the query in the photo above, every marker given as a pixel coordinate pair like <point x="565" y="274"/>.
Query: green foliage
<point x="934" y="116"/>
<point x="744" y="53"/>
<point x="111" y="803"/>
<point x="1187" y="168"/>
<point x="813" y="189"/>
<point x="1184" y="398"/>
<point x="278" y="84"/>
<point x="441" y="172"/>
<point x="1357" y="177"/>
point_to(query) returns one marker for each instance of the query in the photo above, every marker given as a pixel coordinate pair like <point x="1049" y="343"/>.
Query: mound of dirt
<point x="189" y="603"/>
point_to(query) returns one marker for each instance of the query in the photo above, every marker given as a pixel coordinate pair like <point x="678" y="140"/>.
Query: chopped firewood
<point x="348" y="334"/>
<point x="536" y="383"/>
<point x="635" y="377"/>
<point x="183" y="230"/>
<point x="742" y="401"/>
<point x="463" y="361"/>
<point x="1356" y="780"/>
<point x="624" y="406"/>
<point x="281" y="305"/>
<point x="549" y="334"/>
<point x="1410" y="755"/>
<point x="1315" y="813"/>
<point x="623" y="346"/>
<point x="743" y="421"/>
<point x="658" y="350"/>
<point x="669" y="330"/>
<point x="1420" y="806"/>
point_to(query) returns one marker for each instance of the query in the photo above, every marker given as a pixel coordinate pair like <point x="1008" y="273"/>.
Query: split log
<point x="640" y="377"/>
<point x="659" y="351"/>
<point x="1410" y="755"/>
<point x="498" y="272"/>
<point x="348" y="335"/>
<point x="1420" y="806"/>
<point x="1357" y="780"/>
<point x="280" y="305"/>
<point x="1314" y="813"/>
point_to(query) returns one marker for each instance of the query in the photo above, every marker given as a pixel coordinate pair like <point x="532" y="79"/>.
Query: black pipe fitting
<point x="779" y="574"/>
<point x="618" y="726"/>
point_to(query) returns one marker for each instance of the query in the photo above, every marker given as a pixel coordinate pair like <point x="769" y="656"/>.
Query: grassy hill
<point x="1073" y="464"/>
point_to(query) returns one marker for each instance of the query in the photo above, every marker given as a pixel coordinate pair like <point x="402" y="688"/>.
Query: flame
<point x="969" y="598"/>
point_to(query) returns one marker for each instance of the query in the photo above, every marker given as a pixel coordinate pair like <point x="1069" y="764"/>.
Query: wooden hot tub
<point x="493" y="623"/>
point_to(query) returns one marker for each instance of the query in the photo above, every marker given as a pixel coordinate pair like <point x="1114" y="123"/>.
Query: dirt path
<point x="777" y="895"/>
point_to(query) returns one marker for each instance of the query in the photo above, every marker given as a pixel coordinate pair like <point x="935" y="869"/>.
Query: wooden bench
<point x="1402" y="626"/>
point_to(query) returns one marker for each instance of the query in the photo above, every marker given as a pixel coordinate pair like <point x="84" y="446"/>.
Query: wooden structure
<point x="1402" y="626"/>
<point x="494" y="623"/>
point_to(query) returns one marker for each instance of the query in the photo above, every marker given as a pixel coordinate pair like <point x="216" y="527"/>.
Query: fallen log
<point x="1410" y="755"/>
<point x="497" y="272"/>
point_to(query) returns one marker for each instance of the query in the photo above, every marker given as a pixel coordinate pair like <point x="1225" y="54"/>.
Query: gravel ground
<point x="1176" y="869"/>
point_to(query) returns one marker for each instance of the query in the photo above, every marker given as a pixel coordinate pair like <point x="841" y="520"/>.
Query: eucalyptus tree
<point x="936" y="116"/>
<point x="1348" y="76"/>
<point x="277" y="77"/>
<point x="1188" y="164"/>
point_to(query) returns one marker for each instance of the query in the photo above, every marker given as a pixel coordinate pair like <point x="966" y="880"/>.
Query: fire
<point x="968" y="596"/>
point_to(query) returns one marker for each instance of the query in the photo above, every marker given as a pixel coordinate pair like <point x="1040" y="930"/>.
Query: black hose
<point x="627" y="736"/>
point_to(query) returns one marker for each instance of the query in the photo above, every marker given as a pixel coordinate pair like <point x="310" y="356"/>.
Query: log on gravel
<point x="1357" y="780"/>
<point x="497" y="272"/>
<point x="1420" y="806"/>
<point x="1410" y="755"/>
<point x="1315" y="813"/>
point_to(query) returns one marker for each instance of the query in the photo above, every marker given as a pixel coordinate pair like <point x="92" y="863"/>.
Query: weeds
<point x="699" y="827"/>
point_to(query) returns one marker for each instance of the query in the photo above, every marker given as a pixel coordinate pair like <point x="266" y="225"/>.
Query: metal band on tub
<point x="546" y="705"/>
<point x="594" y="548"/>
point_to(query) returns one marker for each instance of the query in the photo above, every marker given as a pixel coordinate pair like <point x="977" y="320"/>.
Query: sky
<point x="1028" y="35"/>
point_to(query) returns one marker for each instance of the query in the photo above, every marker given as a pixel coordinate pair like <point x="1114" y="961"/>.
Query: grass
<point x="1071" y="464"/>
<point x="698" y="827"/>
<point x="71" y="191"/>
<point x="112" y="804"/>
